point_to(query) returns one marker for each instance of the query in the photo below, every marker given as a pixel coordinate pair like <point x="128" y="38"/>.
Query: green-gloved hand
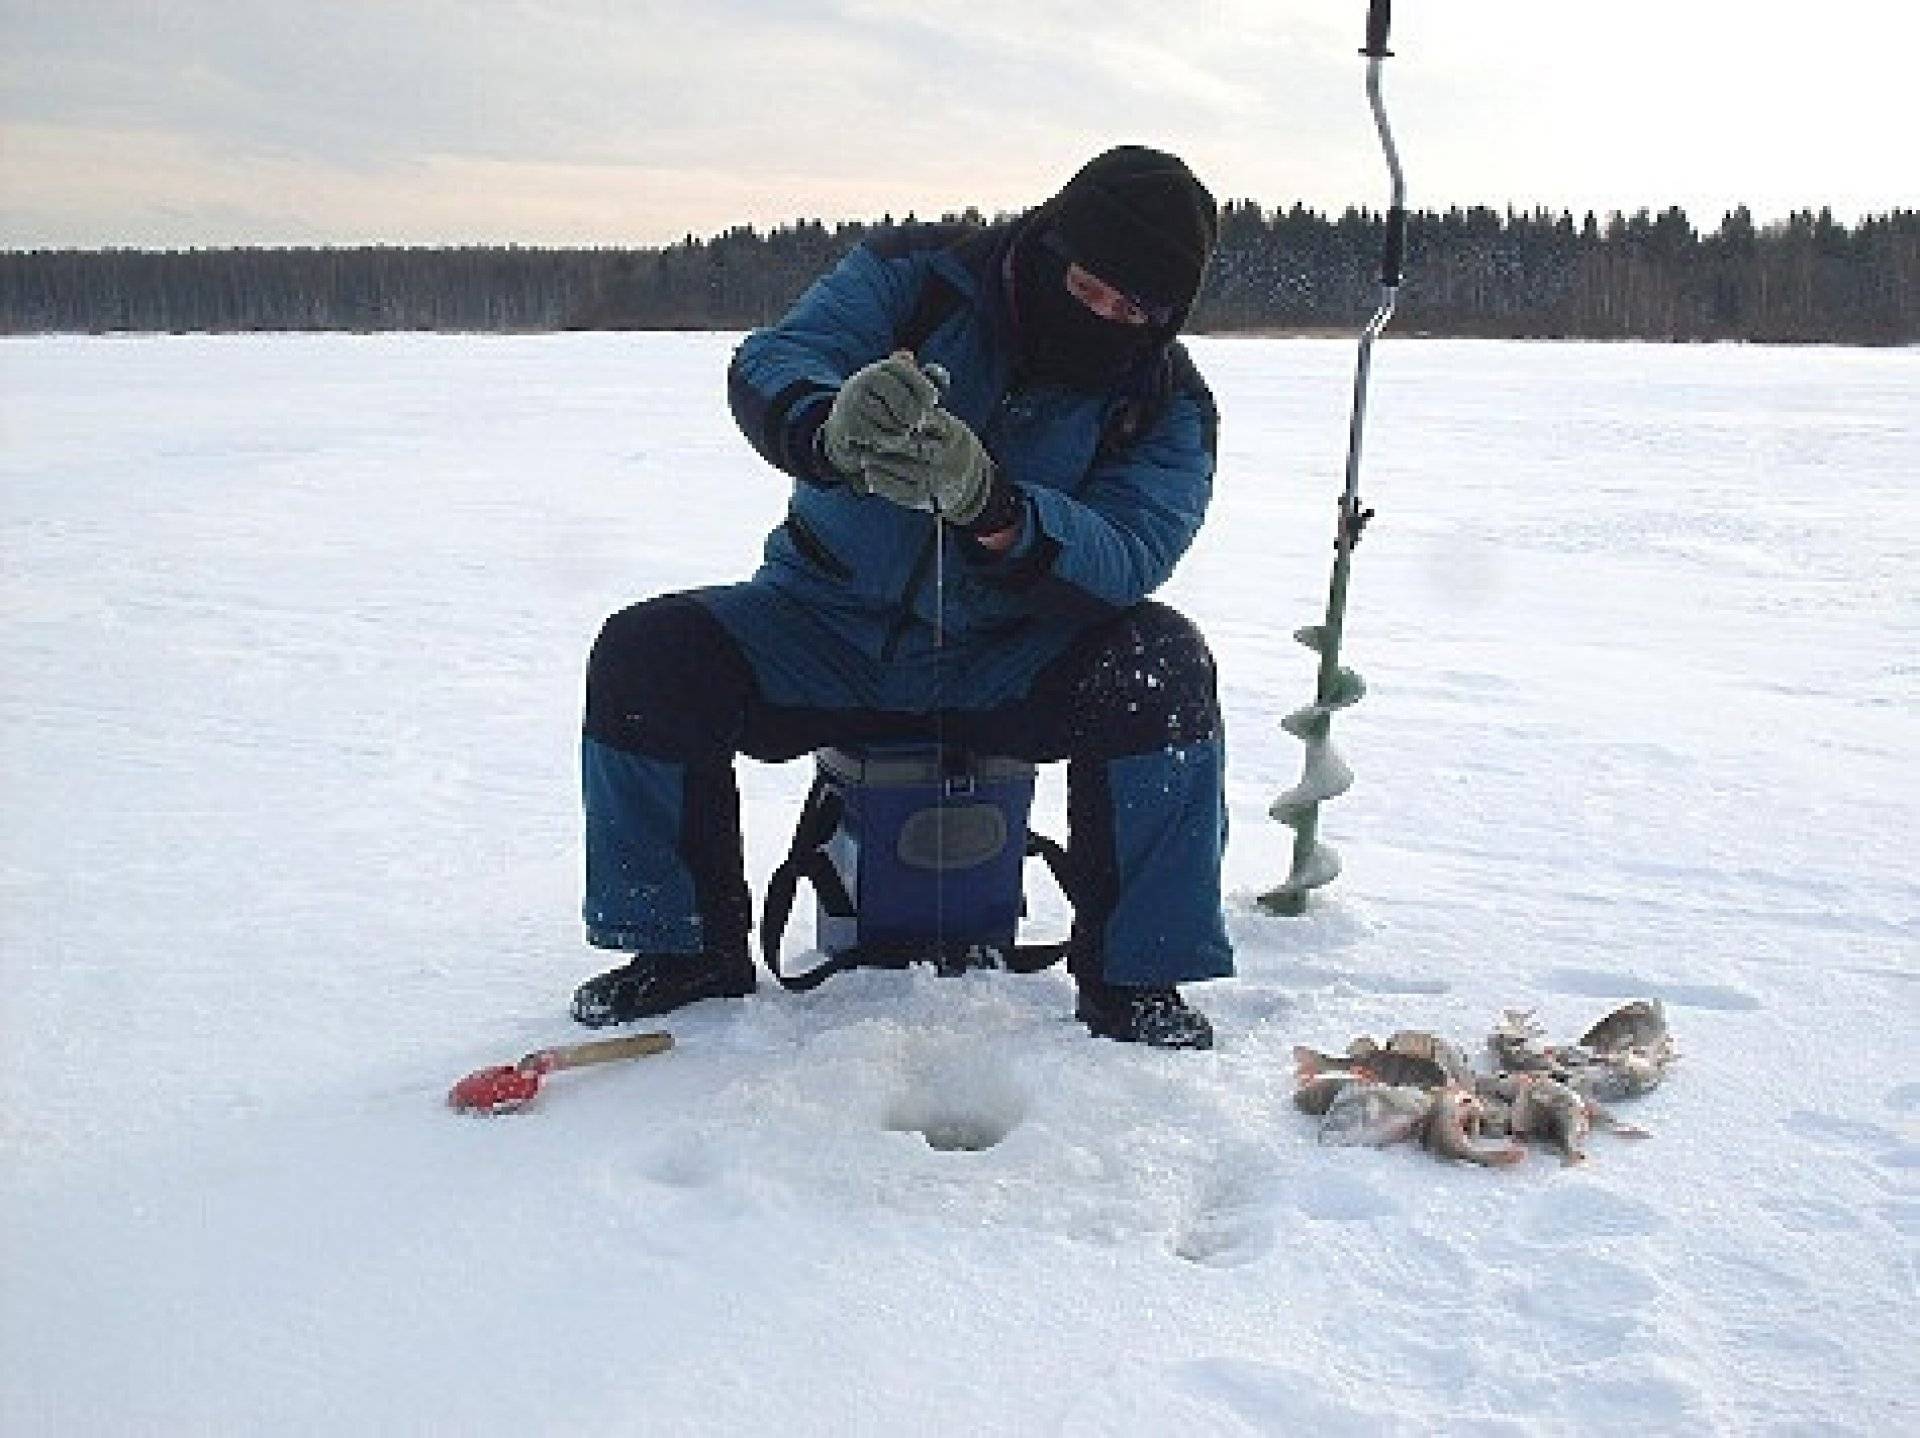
<point x="941" y="466"/>
<point x="878" y="405"/>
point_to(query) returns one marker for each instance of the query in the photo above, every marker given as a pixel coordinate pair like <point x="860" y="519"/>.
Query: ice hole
<point x="964" y="1105"/>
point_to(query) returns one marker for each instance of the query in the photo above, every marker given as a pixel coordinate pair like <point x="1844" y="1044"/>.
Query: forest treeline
<point x="1474" y="271"/>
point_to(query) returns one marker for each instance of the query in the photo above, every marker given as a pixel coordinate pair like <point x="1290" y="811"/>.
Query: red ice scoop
<point x="506" y="1087"/>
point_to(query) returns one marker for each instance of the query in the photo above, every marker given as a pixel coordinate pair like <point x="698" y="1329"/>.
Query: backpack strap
<point x="1032" y="958"/>
<point x="1145" y="400"/>
<point x="807" y="859"/>
<point x="939" y="298"/>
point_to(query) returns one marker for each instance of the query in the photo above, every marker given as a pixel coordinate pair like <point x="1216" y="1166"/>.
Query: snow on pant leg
<point x="667" y="694"/>
<point x="1146" y="807"/>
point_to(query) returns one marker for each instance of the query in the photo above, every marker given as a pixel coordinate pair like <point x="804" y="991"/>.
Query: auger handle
<point x="598" y="1051"/>
<point x="1393" y="252"/>
<point x="1379" y="17"/>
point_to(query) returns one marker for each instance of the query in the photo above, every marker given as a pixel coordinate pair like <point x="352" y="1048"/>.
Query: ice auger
<point x="1326" y="774"/>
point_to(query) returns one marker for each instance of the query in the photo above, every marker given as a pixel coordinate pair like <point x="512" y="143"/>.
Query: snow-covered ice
<point x="288" y="690"/>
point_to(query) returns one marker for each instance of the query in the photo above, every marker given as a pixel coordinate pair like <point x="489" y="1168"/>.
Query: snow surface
<point x="291" y="675"/>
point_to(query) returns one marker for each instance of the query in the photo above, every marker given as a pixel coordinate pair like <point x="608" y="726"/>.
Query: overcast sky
<point x="188" y="122"/>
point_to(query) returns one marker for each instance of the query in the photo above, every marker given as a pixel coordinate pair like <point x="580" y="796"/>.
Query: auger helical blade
<point x="1342" y="687"/>
<point x="1315" y="865"/>
<point x="1324" y="775"/>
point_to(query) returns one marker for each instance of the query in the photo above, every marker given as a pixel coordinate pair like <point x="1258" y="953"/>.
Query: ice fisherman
<point x="1064" y="471"/>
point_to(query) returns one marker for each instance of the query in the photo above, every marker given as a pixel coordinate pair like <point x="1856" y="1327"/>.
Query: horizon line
<point x="1507" y="211"/>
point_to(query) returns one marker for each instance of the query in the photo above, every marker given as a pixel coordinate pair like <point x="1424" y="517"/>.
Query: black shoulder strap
<point x="1140" y="408"/>
<point x="1032" y="958"/>
<point x="938" y="299"/>
<point x="806" y="859"/>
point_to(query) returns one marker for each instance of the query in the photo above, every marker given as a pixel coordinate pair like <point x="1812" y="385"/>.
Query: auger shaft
<point x="1325" y="774"/>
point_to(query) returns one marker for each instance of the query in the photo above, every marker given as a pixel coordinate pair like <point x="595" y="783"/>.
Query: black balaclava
<point x="1139" y="220"/>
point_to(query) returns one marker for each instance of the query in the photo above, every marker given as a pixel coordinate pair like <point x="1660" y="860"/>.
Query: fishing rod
<point x="1325" y="775"/>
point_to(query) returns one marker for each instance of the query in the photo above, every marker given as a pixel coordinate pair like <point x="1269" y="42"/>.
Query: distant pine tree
<point x="1472" y="271"/>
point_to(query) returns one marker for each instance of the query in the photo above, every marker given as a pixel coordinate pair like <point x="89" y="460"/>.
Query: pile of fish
<point x="1419" y="1086"/>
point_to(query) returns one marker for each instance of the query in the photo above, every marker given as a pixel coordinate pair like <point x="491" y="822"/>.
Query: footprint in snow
<point x="1251" y="1395"/>
<point x="1574" y="1213"/>
<point x="1596" y="1285"/>
<point x="1225" y="1395"/>
<point x="1231" y="1225"/>
<point x="1594" y="1309"/>
<point x="1902" y="1216"/>
<point x="1869" y="1140"/>
<point x="1624" y="1399"/>
<point x="1812" y="1216"/>
<point x="1342" y="1198"/>
<point x="1601" y="984"/>
<point x="682" y="1163"/>
<point x="1742" y="1281"/>
<point x="1226" y="1237"/>
<point x="1315" y="976"/>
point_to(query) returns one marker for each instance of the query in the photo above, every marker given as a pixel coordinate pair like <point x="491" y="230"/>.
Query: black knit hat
<point x="1139" y="220"/>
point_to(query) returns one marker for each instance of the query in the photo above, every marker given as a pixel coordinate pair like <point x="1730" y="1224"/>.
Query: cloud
<point x="170" y="191"/>
<point x="879" y="106"/>
<point x="277" y="119"/>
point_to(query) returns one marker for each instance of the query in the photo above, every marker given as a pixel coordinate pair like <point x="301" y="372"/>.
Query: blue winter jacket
<point x="1113" y="486"/>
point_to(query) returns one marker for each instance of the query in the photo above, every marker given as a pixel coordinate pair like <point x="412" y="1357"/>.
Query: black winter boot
<point x="1159" y="1017"/>
<point x="650" y="984"/>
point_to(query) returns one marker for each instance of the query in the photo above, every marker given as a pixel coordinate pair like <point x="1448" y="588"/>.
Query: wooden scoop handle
<point x="598" y="1051"/>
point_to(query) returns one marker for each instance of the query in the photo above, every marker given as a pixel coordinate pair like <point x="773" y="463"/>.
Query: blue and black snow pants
<point x="674" y="694"/>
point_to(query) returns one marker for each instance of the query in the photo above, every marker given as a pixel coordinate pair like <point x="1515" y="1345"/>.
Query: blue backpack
<point x="915" y="853"/>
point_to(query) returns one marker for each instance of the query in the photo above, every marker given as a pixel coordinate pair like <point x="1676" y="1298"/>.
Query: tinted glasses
<point x="1104" y="298"/>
